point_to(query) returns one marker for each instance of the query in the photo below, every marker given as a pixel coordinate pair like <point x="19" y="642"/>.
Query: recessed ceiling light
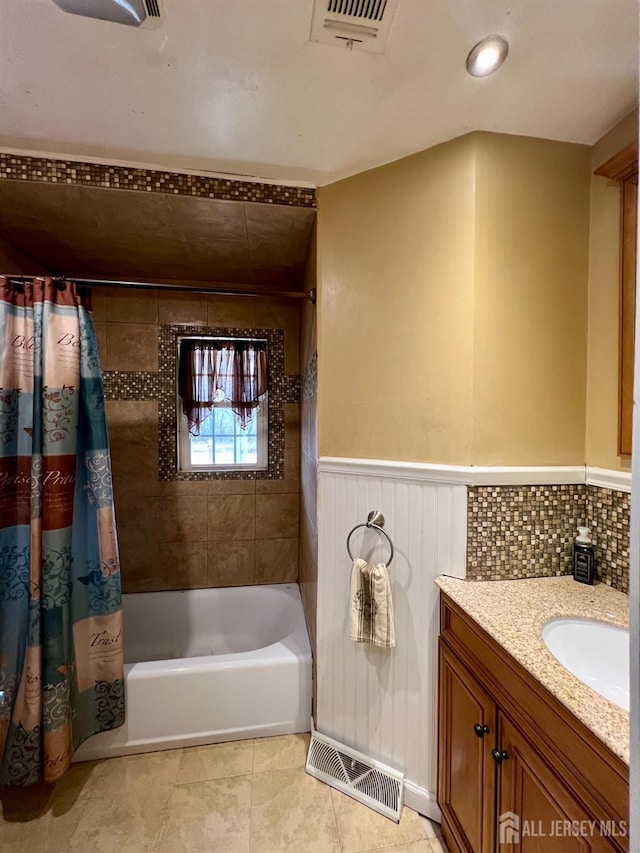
<point x="487" y="55"/>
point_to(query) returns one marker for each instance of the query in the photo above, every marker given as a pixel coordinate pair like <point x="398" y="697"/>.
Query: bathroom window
<point x="222" y="404"/>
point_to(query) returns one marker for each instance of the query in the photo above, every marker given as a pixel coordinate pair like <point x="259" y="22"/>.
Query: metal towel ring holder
<point x="375" y="519"/>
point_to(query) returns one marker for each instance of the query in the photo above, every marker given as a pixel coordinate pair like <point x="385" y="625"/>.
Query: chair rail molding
<point x="468" y="475"/>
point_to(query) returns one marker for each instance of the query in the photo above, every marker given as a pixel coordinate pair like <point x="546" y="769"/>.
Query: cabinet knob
<point x="499" y="755"/>
<point x="481" y="731"/>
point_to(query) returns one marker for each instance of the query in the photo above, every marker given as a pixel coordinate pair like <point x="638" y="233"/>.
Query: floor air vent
<point x="372" y="783"/>
<point x="356" y="24"/>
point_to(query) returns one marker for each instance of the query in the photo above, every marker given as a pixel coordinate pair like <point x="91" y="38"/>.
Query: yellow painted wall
<point x="531" y="265"/>
<point x="452" y="306"/>
<point x="604" y="295"/>
<point x="395" y="309"/>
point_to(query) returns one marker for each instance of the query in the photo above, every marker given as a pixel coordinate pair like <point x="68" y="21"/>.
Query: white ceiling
<point x="236" y="85"/>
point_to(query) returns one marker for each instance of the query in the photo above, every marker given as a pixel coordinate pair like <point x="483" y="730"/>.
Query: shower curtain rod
<point x="222" y="290"/>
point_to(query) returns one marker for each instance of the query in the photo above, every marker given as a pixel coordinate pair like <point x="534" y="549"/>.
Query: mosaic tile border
<point x="15" y="167"/>
<point x="160" y="386"/>
<point x="130" y="385"/>
<point x="609" y="516"/>
<point x="167" y="422"/>
<point x="528" y="531"/>
<point x="291" y="388"/>
<point x="309" y="381"/>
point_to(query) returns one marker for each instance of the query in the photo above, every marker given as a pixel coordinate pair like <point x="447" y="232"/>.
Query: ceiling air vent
<point x="153" y="8"/>
<point x="356" y="24"/>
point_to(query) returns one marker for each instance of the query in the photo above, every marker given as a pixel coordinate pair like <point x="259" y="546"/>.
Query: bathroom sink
<point x="595" y="652"/>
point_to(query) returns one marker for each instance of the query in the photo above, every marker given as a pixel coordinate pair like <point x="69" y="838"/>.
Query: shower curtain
<point x="61" y="663"/>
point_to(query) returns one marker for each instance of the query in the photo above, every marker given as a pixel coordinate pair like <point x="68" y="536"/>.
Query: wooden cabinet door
<point x="534" y="810"/>
<point x="466" y="770"/>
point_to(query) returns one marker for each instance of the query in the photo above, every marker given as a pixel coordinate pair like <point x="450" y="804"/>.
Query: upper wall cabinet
<point x="623" y="167"/>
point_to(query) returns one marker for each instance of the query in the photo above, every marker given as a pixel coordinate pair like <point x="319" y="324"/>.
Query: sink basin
<point x="595" y="652"/>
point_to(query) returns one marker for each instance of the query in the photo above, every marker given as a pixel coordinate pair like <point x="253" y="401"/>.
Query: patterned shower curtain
<point x="61" y="663"/>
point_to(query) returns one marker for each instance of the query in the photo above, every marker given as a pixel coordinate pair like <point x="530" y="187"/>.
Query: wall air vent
<point x="355" y="24"/>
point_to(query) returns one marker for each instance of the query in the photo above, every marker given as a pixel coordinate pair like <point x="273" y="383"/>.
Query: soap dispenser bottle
<point x="583" y="557"/>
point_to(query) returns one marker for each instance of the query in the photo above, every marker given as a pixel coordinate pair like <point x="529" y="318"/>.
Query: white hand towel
<point x="370" y="605"/>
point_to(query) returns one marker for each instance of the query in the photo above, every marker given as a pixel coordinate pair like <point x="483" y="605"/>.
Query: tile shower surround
<point x="528" y="531"/>
<point x="211" y="530"/>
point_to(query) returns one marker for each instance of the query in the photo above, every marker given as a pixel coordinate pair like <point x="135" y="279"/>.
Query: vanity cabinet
<point x="507" y="745"/>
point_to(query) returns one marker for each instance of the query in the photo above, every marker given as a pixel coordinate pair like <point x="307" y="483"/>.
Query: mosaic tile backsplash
<point x="528" y="531"/>
<point x="44" y="170"/>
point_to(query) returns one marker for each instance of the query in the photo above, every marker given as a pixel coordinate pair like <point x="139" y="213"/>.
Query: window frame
<point x="183" y="441"/>
<point x="623" y="167"/>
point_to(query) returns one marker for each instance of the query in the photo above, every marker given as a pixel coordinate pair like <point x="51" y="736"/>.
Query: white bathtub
<point x="210" y="665"/>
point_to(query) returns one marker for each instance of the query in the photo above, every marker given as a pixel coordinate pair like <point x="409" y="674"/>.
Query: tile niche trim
<point x="161" y="386"/>
<point x="527" y="531"/>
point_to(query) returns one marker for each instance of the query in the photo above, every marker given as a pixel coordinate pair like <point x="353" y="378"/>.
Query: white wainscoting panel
<point x="383" y="701"/>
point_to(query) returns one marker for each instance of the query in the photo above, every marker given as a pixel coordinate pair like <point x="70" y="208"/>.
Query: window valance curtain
<point x="212" y="371"/>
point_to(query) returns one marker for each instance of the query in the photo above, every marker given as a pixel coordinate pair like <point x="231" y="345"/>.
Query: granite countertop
<point x="513" y="613"/>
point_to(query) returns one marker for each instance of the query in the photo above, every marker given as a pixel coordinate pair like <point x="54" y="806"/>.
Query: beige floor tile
<point x="280" y="753"/>
<point x="19" y="837"/>
<point x="431" y="828"/>
<point x="218" y="761"/>
<point x="133" y="773"/>
<point x="128" y="822"/>
<point x="291" y="813"/>
<point x="76" y="784"/>
<point x="43" y="818"/>
<point x="438" y="845"/>
<point x="423" y="846"/>
<point x="205" y="817"/>
<point x="361" y="828"/>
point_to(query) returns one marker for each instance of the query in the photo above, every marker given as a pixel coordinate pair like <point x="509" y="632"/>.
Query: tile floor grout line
<point x="335" y="818"/>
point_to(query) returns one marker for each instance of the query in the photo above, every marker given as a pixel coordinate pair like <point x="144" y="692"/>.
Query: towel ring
<point x="375" y="519"/>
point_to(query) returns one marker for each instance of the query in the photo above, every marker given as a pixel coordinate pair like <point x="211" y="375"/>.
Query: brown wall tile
<point x="183" y="565"/>
<point x="131" y="346"/>
<point x="138" y="523"/>
<point x="99" y="304"/>
<point x="277" y="516"/>
<point x="231" y="487"/>
<point x="139" y="567"/>
<point x="183" y="487"/>
<point x="230" y="563"/>
<point x="183" y="519"/>
<point x="133" y="438"/>
<point x="291" y="425"/>
<point x="183" y="308"/>
<point x="291" y="482"/>
<point x="132" y="306"/>
<point x="101" y="340"/>
<point x="282" y="314"/>
<point x="276" y="561"/>
<point x="231" y="517"/>
<point x="238" y="312"/>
